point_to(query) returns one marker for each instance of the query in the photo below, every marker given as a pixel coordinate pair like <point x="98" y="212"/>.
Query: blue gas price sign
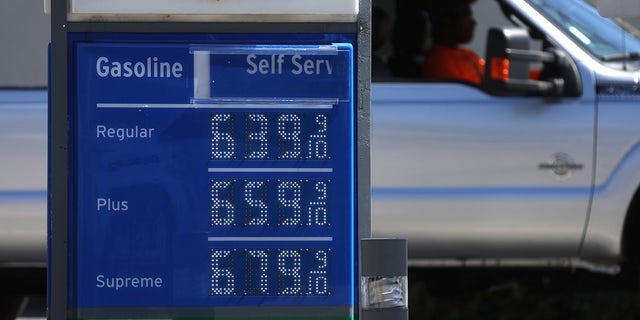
<point x="213" y="181"/>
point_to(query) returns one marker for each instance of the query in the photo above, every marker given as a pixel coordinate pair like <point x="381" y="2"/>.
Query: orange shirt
<point x="443" y="62"/>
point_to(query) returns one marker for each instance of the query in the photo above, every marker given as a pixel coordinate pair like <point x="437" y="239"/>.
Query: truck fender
<point x="611" y="210"/>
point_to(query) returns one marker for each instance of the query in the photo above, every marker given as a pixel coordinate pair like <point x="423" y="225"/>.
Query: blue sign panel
<point x="212" y="180"/>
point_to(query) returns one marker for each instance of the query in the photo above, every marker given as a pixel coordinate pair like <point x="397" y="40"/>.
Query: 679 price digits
<point x="270" y="272"/>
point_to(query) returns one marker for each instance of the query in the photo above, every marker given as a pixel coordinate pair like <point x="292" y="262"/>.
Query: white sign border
<point x="215" y="10"/>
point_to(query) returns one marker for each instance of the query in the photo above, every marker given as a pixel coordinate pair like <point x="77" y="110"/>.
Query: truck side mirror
<point x="507" y="67"/>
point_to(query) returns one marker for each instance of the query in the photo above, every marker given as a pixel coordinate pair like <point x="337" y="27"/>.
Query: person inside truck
<point x="452" y="25"/>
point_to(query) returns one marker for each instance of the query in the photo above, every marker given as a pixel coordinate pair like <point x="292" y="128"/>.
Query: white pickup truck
<point x="539" y="171"/>
<point x="519" y="170"/>
<point x="23" y="196"/>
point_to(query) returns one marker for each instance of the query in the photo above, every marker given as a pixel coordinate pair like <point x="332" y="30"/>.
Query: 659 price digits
<point x="270" y="202"/>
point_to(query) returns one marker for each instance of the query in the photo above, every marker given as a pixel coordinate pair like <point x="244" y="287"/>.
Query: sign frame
<point x="230" y="10"/>
<point x="60" y="166"/>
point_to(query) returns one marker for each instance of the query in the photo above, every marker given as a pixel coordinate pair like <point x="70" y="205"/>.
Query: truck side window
<point x="409" y="38"/>
<point x="380" y="33"/>
<point x="442" y="41"/>
<point x="413" y="34"/>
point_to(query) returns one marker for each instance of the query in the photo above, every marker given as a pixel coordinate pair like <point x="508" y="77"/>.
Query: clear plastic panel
<point x="315" y="75"/>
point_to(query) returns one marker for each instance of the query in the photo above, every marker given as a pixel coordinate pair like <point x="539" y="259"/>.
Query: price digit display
<point x="276" y="136"/>
<point x="270" y="202"/>
<point x="270" y="272"/>
<point x="256" y="199"/>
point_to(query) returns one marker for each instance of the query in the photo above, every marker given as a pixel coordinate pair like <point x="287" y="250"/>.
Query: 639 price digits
<point x="275" y="136"/>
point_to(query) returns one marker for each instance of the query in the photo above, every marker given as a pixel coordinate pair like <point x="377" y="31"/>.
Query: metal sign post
<point x="208" y="160"/>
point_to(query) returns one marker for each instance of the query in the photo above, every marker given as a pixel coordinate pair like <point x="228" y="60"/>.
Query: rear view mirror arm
<point x="551" y="87"/>
<point x="530" y="55"/>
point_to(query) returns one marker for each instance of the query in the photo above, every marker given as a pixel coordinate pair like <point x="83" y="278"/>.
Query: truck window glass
<point x="603" y="38"/>
<point x="405" y="29"/>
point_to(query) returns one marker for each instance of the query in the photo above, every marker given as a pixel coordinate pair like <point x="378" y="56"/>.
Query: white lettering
<point x="310" y="67"/>
<point x="280" y="62"/>
<point x="102" y="69"/>
<point x="128" y="72"/>
<point x="176" y="70"/>
<point x="116" y="70"/>
<point x="108" y="204"/>
<point x="273" y="65"/>
<point x="263" y="66"/>
<point x="121" y="134"/>
<point x="151" y="67"/>
<point x="118" y="283"/>
<point x="294" y="60"/>
<point x="138" y="69"/>
<point x="254" y="67"/>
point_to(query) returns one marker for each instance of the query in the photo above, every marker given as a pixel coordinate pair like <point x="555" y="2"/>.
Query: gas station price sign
<point x="214" y="177"/>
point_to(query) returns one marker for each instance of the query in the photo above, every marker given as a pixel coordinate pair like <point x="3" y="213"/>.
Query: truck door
<point x="465" y="174"/>
<point x="473" y="171"/>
